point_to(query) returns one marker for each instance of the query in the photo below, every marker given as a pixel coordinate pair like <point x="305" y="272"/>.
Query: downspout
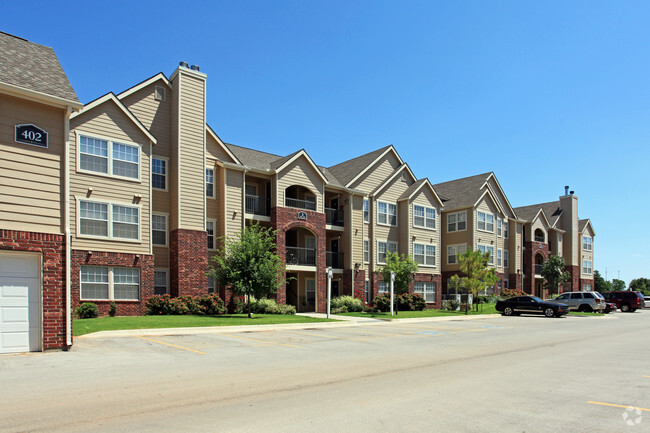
<point x="350" y="237"/>
<point x="66" y="213"/>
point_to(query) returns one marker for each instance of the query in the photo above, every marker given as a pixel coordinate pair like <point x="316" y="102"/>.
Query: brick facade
<point x="52" y="250"/>
<point x="144" y="262"/>
<point x="354" y="283"/>
<point x="531" y="251"/>
<point x="188" y="262"/>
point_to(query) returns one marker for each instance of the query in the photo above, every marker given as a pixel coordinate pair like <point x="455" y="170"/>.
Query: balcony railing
<point x="301" y="256"/>
<point x="258" y="205"/>
<point x="300" y="204"/>
<point x="539" y="239"/>
<point x="334" y="217"/>
<point x="538" y="269"/>
<point x="335" y="260"/>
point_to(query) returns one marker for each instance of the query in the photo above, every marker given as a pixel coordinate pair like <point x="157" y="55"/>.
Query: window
<point x="160" y="282"/>
<point x="499" y="227"/>
<point x="487" y="249"/>
<point x="367" y="291"/>
<point x="99" y="282"/>
<point x="506" y="284"/>
<point x="108" y="157"/>
<point x="506" y="258"/>
<point x="310" y="289"/>
<point x="209" y="182"/>
<point x="94" y="220"/>
<point x="457" y="221"/>
<point x="386" y="213"/>
<point x="586" y="287"/>
<point x="159" y="229"/>
<point x="499" y="257"/>
<point x="587" y="243"/>
<point x="453" y="251"/>
<point x="366" y="210"/>
<point x="211" y="284"/>
<point x="383" y="287"/>
<point x="586" y="266"/>
<point x="158" y="173"/>
<point x="506" y="230"/>
<point x="424" y="217"/>
<point x="209" y="227"/>
<point x="424" y="254"/>
<point x="383" y="248"/>
<point x="366" y="251"/>
<point x="427" y="290"/>
<point x="485" y="221"/>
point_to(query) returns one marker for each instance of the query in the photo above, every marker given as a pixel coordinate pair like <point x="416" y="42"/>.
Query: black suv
<point x="627" y="301"/>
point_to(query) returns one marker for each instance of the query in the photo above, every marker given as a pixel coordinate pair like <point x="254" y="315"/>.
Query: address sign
<point x="31" y="134"/>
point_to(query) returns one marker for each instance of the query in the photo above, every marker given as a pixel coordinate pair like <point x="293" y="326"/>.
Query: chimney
<point x="571" y="192"/>
<point x="195" y="68"/>
<point x="183" y="64"/>
<point x="566" y="190"/>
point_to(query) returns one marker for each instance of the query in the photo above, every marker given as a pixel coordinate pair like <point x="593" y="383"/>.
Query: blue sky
<point x="545" y="94"/>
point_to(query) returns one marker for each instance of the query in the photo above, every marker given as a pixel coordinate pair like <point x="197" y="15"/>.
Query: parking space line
<point x="362" y="330"/>
<point x="173" y="345"/>
<point x="644" y="376"/>
<point x="258" y="341"/>
<point x="324" y="336"/>
<point x="618" y="405"/>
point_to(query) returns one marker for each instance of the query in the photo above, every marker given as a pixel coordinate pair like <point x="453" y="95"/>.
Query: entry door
<point x="20" y="319"/>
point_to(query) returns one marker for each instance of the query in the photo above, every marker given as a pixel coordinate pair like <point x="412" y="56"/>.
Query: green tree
<point x="641" y="285"/>
<point x="618" y="284"/>
<point x="404" y="268"/>
<point x="249" y="264"/>
<point x="554" y="273"/>
<point x="476" y="274"/>
<point x="600" y="284"/>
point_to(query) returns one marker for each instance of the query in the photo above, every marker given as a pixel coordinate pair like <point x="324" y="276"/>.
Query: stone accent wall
<point x="144" y="262"/>
<point x="52" y="250"/>
<point x="188" y="257"/>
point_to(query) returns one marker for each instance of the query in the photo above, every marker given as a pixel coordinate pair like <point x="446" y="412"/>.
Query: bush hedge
<point x="405" y="302"/>
<point x="204" y="305"/>
<point x="345" y="304"/>
<point x="87" y="310"/>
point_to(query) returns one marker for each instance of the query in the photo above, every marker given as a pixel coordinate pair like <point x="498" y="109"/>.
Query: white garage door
<point x="20" y="309"/>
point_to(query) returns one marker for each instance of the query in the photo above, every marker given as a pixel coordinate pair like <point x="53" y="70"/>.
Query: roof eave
<point x="41" y="97"/>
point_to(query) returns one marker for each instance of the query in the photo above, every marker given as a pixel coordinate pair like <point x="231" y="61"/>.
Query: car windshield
<point x="536" y="299"/>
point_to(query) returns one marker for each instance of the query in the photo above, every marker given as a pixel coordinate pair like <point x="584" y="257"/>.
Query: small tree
<point x="477" y="275"/>
<point x="249" y="264"/>
<point x="600" y="284"/>
<point x="618" y="284"/>
<point x="404" y="268"/>
<point x="554" y="273"/>
<point x="641" y="285"/>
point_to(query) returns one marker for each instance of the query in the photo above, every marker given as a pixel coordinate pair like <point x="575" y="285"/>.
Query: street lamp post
<point x="392" y="291"/>
<point x="329" y="290"/>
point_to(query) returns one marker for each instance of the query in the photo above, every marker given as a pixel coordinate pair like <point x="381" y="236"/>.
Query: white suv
<point x="582" y="301"/>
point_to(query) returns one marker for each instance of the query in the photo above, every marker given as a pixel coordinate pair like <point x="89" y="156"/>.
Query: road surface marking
<point x="173" y="345"/>
<point x="618" y="405"/>
<point x="645" y="376"/>
<point x="324" y="336"/>
<point x="258" y="341"/>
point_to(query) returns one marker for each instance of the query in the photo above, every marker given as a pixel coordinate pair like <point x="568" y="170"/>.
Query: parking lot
<point x="492" y="373"/>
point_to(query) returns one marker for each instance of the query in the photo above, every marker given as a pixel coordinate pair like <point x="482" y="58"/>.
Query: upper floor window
<point x="453" y="251"/>
<point x="158" y="173"/>
<point x="499" y="257"/>
<point x="499" y="227"/>
<point x="487" y="249"/>
<point x="457" y="221"/>
<point x="366" y="210"/>
<point x="424" y="217"/>
<point x="383" y="248"/>
<point x="366" y="250"/>
<point x="586" y="266"/>
<point x="506" y="258"/>
<point x="209" y="227"/>
<point x="386" y="213"/>
<point x="506" y="230"/>
<point x="209" y="182"/>
<point x="485" y="221"/>
<point x="424" y="254"/>
<point x="109" y="220"/>
<point x="108" y="157"/>
<point x="587" y="243"/>
<point x="159" y="229"/>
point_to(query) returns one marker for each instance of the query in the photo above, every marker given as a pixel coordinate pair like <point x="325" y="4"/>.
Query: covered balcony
<point x="300" y="249"/>
<point x="299" y="197"/>
<point x="257" y="197"/>
<point x="539" y="236"/>
<point x="335" y="259"/>
<point x="334" y="209"/>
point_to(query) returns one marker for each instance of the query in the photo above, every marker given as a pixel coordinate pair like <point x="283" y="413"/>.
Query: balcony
<point x="539" y="239"/>
<point x="334" y="217"/>
<point x="301" y="256"/>
<point x="258" y="205"/>
<point x="335" y="260"/>
<point x="300" y="204"/>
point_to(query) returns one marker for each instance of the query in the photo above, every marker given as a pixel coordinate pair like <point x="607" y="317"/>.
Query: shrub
<point x="210" y="305"/>
<point x="287" y="309"/>
<point x="339" y="310"/>
<point x="450" y="304"/>
<point x="87" y="310"/>
<point x="509" y="293"/>
<point x="112" y="309"/>
<point x="418" y="303"/>
<point x="237" y="305"/>
<point x="382" y="303"/>
<point x="178" y="307"/>
<point x="190" y="303"/>
<point x="269" y="306"/>
<point x="158" y="305"/>
<point x="352" y="305"/>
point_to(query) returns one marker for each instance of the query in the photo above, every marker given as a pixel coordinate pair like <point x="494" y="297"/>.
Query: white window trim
<point x="366" y="242"/>
<point x="110" y="204"/>
<point x="111" y="284"/>
<point x="166" y="271"/>
<point x="506" y="229"/>
<point x="388" y="214"/>
<point x="464" y="212"/>
<point x="500" y="227"/>
<point x="486" y="221"/>
<point x="214" y="232"/>
<point x="492" y="255"/>
<point x="506" y="259"/>
<point x="387" y="249"/>
<point x="435" y="218"/>
<point x="424" y="290"/>
<point x="166" y="215"/>
<point x="499" y="257"/>
<point x="585" y="268"/>
<point x="587" y="246"/>
<point x="162" y="158"/>
<point x="455" y="246"/>
<point x="435" y="253"/>
<point x="109" y="156"/>
<point x="214" y="183"/>
<point x="366" y="202"/>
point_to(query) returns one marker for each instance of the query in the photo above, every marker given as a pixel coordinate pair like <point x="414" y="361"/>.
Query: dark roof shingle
<point x="461" y="192"/>
<point x="347" y="170"/>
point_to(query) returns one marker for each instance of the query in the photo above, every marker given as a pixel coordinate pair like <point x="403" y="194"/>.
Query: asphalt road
<point x="499" y="374"/>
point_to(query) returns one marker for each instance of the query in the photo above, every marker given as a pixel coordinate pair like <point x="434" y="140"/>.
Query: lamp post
<point x="329" y="290"/>
<point x="392" y="285"/>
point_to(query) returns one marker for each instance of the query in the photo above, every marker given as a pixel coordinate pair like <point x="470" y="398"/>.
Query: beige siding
<point x="234" y="194"/>
<point x="457" y="237"/>
<point x="153" y="114"/>
<point x="377" y="174"/>
<point x="541" y="225"/>
<point x="30" y="176"/>
<point x="215" y="151"/>
<point x="173" y="186"/>
<point x="108" y="121"/>
<point x="161" y="256"/>
<point x="483" y="237"/>
<point x="426" y="236"/>
<point x="501" y="198"/>
<point x="301" y="172"/>
<point x="358" y="231"/>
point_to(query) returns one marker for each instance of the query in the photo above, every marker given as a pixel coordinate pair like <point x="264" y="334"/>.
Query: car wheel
<point x="508" y="311"/>
<point x="549" y="312"/>
<point x="625" y="308"/>
<point x="584" y="308"/>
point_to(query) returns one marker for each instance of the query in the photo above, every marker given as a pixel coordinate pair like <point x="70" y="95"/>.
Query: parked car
<point x="646" y="301"/>
<point x="609" y="308"/>
<point x="626" y="300"/>
<point x="530" y="305"/>
<point x="585" y="302"/>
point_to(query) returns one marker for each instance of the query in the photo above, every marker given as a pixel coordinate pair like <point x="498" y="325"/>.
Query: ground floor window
<point x="105" y="283"/>
<point x="586" y="287"/>
<point x="506" y="284"/>
<point x="160" y="282"/>
<point x="367" y="292"/>
<point x="383" y="288"/>
<point x="311" y="291"/>
<point x="210" y="284"/>
<point x="427" y="290"/>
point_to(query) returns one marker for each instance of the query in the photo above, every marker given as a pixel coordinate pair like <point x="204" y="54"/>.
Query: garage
<point x="20" y="306"/>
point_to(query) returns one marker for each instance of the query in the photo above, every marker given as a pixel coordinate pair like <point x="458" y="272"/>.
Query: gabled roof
<point x="282" y="163"/>
<point x="488" y="192"/>
<point x="110" y="97"/>
<point x="461" y="193"/>
<point x="582" y="225"/>
<point x="348" y="171"/>
<point x="158" y="77"/>
<point x="507" y="203"/>
<point x="551" y="210"/>
<point x="402" y="168"/>
<point x="220" y="141"/>
<point x="416" y="187"/>
<point x="33" y="68"/>
<point x="253" y="158"/>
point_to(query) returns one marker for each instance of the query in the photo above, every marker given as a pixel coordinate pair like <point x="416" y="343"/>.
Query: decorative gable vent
<point x="159" y="93"/>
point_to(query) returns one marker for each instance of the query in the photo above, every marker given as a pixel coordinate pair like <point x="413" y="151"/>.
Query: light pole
<point x="392" y="285"/>
<point x="329" y="290"/>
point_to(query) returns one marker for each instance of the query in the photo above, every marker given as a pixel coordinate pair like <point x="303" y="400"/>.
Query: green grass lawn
<point x="86" y="326"/>
<point x="482" y="309"/>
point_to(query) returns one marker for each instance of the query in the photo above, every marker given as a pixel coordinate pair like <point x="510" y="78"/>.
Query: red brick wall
<point x="531" y="250"/>
<point x="188" y="257"/>
<point x="586" y="281"/>
<point x="52" y="250"/>
<point x="354" y="283"/>
<point x="144" y="262"/>
<point x="574" y="271"/>
<point x="515" y="282"/>
<point x="430" y="278"/>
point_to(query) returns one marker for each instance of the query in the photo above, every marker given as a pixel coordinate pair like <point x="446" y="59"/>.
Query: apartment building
<point x="554" y="228"/>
